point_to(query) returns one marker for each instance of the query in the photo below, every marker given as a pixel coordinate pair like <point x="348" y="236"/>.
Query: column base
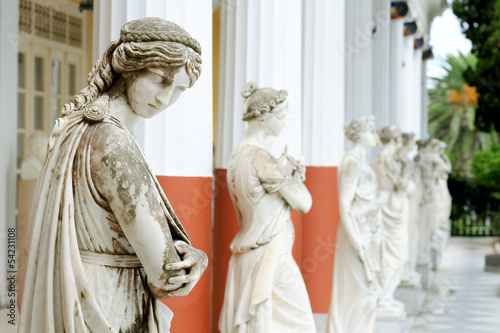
<point x="411" y="294"/>
<point x="320" y="320"/>
<point x="394" y="324"/>
<point x="425" y="275"/>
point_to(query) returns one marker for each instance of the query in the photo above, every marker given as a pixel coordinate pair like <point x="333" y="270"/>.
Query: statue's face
<point x="276" y="121"/>
<point x="148" y="93"/>
<point x="368" y="139"/>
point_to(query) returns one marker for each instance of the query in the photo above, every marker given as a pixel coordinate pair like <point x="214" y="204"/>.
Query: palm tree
<point x="452" y="111"/>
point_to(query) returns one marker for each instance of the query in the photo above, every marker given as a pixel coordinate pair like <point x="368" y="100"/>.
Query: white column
<point x="358" y="59"/>
<point x="405" y="116"/>
<point x="425" y="102"/>
<point x="381" y="62"/>
<point x="417" y="93"/>
<point x="260" y="41"/>
<point x="9" y="14"/>
<point x="323" y="85"/>
<point x="397" y="99"/>
<point x="177" y="142"/>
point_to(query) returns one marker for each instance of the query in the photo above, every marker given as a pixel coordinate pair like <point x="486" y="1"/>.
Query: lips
<point x="152" y="105"/>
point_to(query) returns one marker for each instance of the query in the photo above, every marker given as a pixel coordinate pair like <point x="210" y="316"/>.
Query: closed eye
<point x="160" y="76"/>
<point x="181" y="88"/>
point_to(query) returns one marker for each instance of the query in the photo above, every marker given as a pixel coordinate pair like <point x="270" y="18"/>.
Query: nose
<point x="163" y="97"/>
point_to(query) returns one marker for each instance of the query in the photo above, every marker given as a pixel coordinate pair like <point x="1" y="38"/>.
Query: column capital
<point x="399" y="9"/>
<point x="427" y="53"/>
<point x="418" y="43"/>
<point x="410" y="28"/>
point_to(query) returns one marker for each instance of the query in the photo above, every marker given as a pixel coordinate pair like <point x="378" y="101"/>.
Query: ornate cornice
<point x="399" y="9"/>
<point x="427" y="53"/>
<point x="418" y="43"/>
<point x="410" y="28"/>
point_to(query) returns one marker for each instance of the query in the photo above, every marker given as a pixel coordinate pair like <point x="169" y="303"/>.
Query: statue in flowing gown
<point x="424" y="161"/>
<point x="394" y="203"/>
<point x="105" y="242"/>
<point x="357" y="275"/>
<point x="413" y="193"/>
<point x="265" y="291"/>
<point x="442" y="169"/>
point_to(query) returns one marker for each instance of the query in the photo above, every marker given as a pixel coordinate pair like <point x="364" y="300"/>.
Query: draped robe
<point x="74" y="281"/>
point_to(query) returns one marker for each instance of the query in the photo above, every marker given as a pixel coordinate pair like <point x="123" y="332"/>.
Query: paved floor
<point x="466" y="299"/>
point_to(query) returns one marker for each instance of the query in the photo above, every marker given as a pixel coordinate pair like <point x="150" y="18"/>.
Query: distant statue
<point x="394" y="204"/>
<point x="265" y="291"/>
<point x="442" y="169"/>
<point x="32" y="163"/>
<point x="105" y="243"/>
<point x="358" y="275"/>
<point x="425" y="162"/>
<point x="413" y="191"/>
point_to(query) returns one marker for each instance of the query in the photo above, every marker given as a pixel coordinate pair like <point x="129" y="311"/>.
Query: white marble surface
<point x="468" y="299"/>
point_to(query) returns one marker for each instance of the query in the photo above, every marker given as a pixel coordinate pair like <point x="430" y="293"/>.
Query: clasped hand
<point x="193" y="263"/>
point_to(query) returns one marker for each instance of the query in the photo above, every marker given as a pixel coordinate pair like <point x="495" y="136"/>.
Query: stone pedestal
<point x="492" y="263"/>
<point x="391" y="322"/>
<point x="425" y="275"/>
<point x="411" y="294"/>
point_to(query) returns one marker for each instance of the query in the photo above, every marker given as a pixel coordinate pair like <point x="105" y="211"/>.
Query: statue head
<point x="407" y="142"/>
<point x="390" y="134"/>
<point x="265" y="106"/>
<point x="362" y="130"/>
<point x="148" y="46"/>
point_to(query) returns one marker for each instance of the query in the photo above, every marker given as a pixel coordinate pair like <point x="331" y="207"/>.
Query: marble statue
<point x="31" y="165"/>
<point x="442" y="168"/>
<point x="265" y="291"/>
<point x="424" y="161"/>
<point x="358" y="275"/>
<point x="413" y="191"/>
<point x="105" y="242"/>
<point x="394" y="203"/>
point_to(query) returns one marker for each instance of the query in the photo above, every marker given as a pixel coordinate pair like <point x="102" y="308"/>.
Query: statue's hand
<point x="194" y="262"/>
<point x="300" y="170"/>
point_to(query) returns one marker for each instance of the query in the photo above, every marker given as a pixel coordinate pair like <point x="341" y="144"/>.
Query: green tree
<point x="480" y="22"/>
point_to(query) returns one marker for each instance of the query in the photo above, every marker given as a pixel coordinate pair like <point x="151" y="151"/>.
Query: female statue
<point x="265" y="291"/>
<point x="357" y="275"/>
<point x="392" y="188"/>
<point x="424" y="161"/>
<point x="413" y="192"/>
<point x="442" y="168"/>
<point x="105" y="242"/>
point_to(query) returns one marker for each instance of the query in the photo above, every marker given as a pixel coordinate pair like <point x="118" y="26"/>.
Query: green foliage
<point x="480" y="22"/>
<point x="475" y="211"/>
<point x="486" y="168"/>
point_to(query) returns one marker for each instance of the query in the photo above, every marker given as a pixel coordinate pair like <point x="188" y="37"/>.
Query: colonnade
<point x="338" y="60"/>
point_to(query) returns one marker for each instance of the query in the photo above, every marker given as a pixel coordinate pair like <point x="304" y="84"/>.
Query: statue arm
<point x="348" y="181"/>
<point x="297" y="195"/>
<point x="122" y="177"/>
<point x="285" y="179"/>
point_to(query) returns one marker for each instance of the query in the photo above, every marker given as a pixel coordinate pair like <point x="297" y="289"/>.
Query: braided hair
<point x="143" y="43"/>
<point x="260" y="102"/>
